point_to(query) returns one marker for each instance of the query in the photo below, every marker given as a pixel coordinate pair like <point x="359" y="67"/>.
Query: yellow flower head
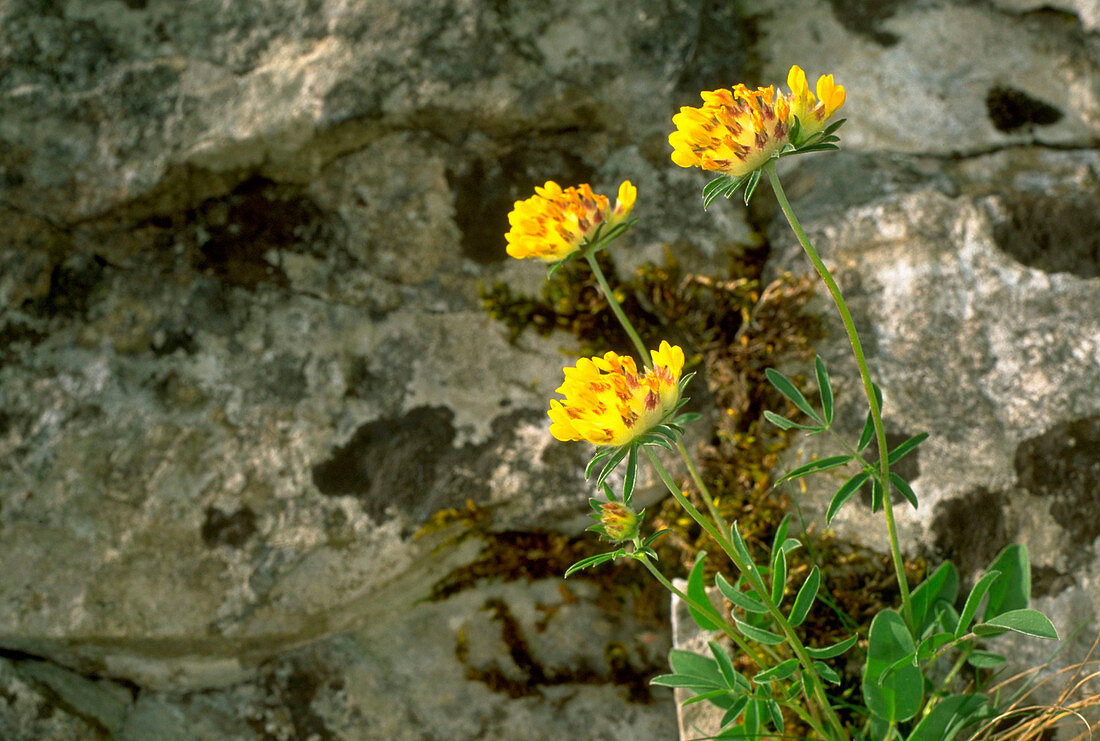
<point x="734" y="132"/>
<point x="554" y="223"/>
<point x="813" y="111"/>
<point x="607" y="402"/>
<point x="737" y="131"/>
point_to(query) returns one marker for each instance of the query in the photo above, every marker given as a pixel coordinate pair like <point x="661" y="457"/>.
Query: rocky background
<point x="267" y="469"/>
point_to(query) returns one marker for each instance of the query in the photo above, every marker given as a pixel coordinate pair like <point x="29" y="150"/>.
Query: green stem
<point x="868" y="387"/>
<point x="729" y="631"/>
<point x="703" y="490"/>
<point x="613" y="303"/>
<point x="763" y="593"/>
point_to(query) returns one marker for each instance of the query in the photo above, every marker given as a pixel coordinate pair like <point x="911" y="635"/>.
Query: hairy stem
<point x="868" y="387"/>
<point x="613" y="303"/>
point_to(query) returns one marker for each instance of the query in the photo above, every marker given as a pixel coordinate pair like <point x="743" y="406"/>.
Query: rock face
<point x="243" y="363"/>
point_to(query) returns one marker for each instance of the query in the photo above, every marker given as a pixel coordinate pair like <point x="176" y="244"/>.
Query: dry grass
<point x="1077" y="705"/>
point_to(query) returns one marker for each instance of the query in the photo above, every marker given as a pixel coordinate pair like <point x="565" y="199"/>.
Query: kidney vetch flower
<point x="737" y="131"/>
<point x="555" y="222"/>
<point x="607" y="402"/>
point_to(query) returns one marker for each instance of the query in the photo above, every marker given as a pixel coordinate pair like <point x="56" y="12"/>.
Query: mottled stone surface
<point x="242" y="361"/>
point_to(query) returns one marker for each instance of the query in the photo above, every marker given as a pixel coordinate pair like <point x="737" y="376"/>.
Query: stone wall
<point x="243" y="361"/>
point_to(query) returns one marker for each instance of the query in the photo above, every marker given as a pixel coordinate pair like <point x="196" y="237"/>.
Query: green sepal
<point x="601" y="454"/>
<point x="631" y="476"/>
<point x="750" y="185"/>
<point x="612" y="463"/>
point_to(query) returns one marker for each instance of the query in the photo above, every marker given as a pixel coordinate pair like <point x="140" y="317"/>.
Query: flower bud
<point x="619" y="522"/>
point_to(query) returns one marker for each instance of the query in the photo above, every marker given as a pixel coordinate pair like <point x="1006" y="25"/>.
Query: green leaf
<point x="731" y="714"/>
<point x="949" y="716"/>
<point x="868" y="433"/>
<point x="933" y="643"/>
<point x="758" y="634"/>
<point x="831" y="128"/>
<point x="973" y="600"/>
<point x="1012" y="589"/>
<point x="591" y="561"/>
<point x="784" y="386"/>
<point x="775" y="714"/>
<point x="631" y="474"/>
<point x="703" y="697"/>
<point x="899" y="697"/>
<point x="827" y="673"/>
<point x="687" y="418"/>
<point x="733" y="678"/>
<point x="777" y="673"/>
<point x="824" y="387"/>
<point x="821" y="464"/>
<point x="701" y="668"/>
<point x="807" y="593"/>
<point x="779" y="537"/>
<point x="904" y="661"/>
<point x="785" y="424"/>
<point x="779" y="577"/>
<point x="740" y="547"/>
<point x="941" y="586"/>
<point x="695" y="684"/>
<point x="612" y="463"/>
<point x="696" y="589"/>
<point x="985" y="659"/>
<point x="844" y="493"/>
<point x="652" y="538"/>
<point x="737" y="597"/>
<point x="829" y="652"/>
<point x="904" y="449"/>
<point x="750" y="186"/>
<point x="876" y="494"/>
<point x="1028" y="622"/>
<point x="903" y="488"/>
